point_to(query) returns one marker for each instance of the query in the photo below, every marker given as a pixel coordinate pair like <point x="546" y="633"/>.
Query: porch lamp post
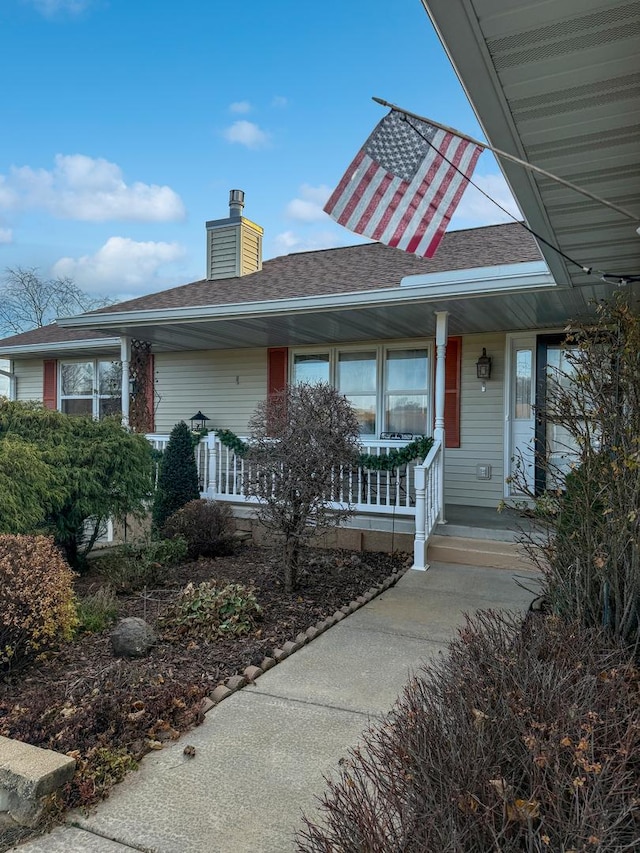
<point x="198" y="421"/>
<point x="483" y="368"/>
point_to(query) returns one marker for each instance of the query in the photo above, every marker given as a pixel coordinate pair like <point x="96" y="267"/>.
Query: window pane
<point x="357" y="372"/>
<point x="109" y="406"/>
<point x="77" y="407"/>
<point x="407" y="370"/>
<point x="406" y="413"/>
<point x="523" y="384"/>
<point x="76" y="377"/>
<point x="311" y="368"/>
<point x="110" y="377"/>
<point x="364" y="407"/>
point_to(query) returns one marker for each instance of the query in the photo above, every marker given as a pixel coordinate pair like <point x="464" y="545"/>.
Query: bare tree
<point x="300" y="442"/>
<point x="28" y="301"/>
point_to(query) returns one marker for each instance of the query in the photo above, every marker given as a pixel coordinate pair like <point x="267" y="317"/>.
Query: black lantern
<point x="483" y="366"/>
<point x="198" y="421"/>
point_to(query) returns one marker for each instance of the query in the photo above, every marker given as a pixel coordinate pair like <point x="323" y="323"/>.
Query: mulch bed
<point x="109" y="712"/>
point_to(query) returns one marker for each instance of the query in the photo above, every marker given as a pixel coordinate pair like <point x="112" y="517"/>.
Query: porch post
<point x="125" y="359"/>
<point x="442" y="327"/>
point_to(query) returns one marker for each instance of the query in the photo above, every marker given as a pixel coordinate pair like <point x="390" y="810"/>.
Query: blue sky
<point x="125" y="123"/>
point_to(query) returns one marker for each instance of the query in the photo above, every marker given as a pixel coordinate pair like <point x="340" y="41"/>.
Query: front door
<point x="537" y="365"/>
<point x="555" y="446"/>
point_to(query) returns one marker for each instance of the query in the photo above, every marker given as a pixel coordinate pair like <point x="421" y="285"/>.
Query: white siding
<point x="225" y="385"/>
<point x="29" y="379"/>
<point x="481" y="428"/>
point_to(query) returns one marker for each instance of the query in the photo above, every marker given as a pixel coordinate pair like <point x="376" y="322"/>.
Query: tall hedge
<point x="177" y="477"/>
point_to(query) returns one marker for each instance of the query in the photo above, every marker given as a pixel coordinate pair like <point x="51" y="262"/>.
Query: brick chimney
<point x="234" y="245"/>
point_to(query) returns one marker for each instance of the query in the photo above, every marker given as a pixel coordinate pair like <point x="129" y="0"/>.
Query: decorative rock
<point x="236" y="682"/>
<point x="312" y="633"/>
<point x="346" y="609"/>
<point x="362" y="599"/>
<point x="221" y="692"/>
<point x="289" y="647"/>
<point x="280" y="655"/>
<point x="301" y="639"/>
<point x="267" y="663"/>
<point x="338" y="615"/>
<point x="132" y="638"/>
<point x="355" y="605"/>
<point x="373" y="591"/>
<point x="252" y="672"/>
<point x="321" y="626"/>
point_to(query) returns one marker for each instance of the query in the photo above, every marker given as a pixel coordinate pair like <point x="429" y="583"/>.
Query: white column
<point x="420" y="540"/>
<point x="12" y="383"/>
<point x="125" y="359"/>
<point x="442" y="327"/>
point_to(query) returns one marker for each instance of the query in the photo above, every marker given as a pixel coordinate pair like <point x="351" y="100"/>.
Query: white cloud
<point x="308" y="208"/>
<point x="6" y="236"/>
<point x="246" y="133"/>
<point x="288" y="241"/>
<point x="88" y="189"/>
<point x="240" y="107"/>
<point x="280" y="102"/>
<point x="475" y="209"/>
<point x="121" y="266"/>
<point x="48" y="8"/>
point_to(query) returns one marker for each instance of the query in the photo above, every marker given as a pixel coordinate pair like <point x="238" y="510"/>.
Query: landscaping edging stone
<point x="250" y="673"/>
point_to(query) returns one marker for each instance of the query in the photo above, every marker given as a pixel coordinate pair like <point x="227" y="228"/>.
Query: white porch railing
<point x="429" y="484"/>
<point x="221" y="474"/>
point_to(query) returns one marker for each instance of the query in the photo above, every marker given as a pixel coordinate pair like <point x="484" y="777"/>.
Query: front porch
<point x="398" y="509"/>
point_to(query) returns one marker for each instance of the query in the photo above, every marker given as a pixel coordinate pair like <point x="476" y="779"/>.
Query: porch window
<point x="357" y="381"/>
<point x="312" y="368"/>
<point x="406" y="390"/>
<point x="90" y="388"/>
<point x="389" y="388"/>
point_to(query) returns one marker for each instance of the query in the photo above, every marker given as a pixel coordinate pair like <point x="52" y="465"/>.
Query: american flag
<point x="404" y="185"/>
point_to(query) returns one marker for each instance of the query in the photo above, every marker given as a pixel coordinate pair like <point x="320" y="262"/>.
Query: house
<point x="457" y="347"/>
<point x="403" y="337"/>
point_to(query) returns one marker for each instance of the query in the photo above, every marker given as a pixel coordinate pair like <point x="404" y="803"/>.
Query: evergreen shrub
<point x="177" y="476"/>
<point x="37" y="607"/>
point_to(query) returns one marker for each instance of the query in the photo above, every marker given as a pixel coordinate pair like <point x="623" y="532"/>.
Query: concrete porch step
<point x="477" y="552"/>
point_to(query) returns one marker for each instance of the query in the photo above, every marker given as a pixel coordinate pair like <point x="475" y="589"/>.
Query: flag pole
<point x="511" y="157"/>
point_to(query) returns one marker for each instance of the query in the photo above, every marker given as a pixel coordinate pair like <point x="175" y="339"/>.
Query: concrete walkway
<point x="261" y="753"/>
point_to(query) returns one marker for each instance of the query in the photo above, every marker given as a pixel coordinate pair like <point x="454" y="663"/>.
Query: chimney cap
<point x="236" y="202"/>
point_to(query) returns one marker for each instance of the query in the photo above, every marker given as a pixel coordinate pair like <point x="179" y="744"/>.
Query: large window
<point x="91" y="388"/>
<point x="388" y="387"/>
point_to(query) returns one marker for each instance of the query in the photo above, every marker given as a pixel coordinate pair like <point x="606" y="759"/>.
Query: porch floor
<point x="481" y="522"/>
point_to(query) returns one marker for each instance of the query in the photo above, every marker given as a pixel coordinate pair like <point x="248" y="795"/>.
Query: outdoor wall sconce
<point x="483" y="368"/>
<point x="198" y="421"/>
<point x="133" y="387"/>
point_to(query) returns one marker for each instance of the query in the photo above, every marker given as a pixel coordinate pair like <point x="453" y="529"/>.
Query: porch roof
<point x="557" y="84"/>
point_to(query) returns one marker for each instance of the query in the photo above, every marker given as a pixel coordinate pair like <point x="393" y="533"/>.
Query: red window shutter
<point x="452" y="392"/>
<point x="277" y="370"/>
<point x="150" y="388"/>
<point x="277" y="363"/>
<point x="50" y="383"/>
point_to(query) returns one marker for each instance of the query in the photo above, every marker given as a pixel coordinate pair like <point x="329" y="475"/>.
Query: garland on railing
<point x="397" y="456"/>
<point x="232" y="441"/>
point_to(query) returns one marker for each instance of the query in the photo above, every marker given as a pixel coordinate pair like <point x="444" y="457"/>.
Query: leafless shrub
<point x="591" y="558"/>
<point x="300" y="441"/>
<point x="522" y="739"/>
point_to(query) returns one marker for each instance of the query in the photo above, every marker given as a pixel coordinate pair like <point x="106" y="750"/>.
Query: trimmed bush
<point x="37" y="609"/>
<point x="207" y="611"/>
<point x="206" y="526"/>
<point x="177" y="476"/>
<point x="522" y="739"/>
<point x="132" y="567"/>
